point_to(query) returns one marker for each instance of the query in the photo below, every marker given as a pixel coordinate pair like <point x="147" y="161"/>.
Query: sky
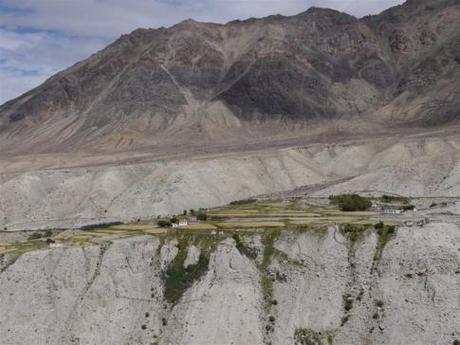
<point x="41" y="37"/>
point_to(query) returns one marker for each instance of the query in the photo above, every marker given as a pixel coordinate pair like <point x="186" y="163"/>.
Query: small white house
<point x="183" y="222"/>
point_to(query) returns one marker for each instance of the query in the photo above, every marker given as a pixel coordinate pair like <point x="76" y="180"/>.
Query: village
<point x="251" y="215"/>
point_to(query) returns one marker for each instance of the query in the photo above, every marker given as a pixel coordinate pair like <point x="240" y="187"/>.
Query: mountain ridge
<point x="308" y="75"/>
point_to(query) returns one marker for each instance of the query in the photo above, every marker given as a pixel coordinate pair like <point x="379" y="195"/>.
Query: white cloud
<point x="42" y="37"/>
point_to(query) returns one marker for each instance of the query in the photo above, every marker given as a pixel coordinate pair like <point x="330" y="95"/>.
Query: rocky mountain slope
<point x="318" y="74"/>
<point x="289" y="287"/>
<point x="199" y="114"/>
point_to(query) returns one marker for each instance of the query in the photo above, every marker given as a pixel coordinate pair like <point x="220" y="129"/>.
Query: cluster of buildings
<point x="183" y="222"/>
<point x="390" y="208"/>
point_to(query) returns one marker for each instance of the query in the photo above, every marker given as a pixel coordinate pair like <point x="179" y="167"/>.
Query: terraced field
<point x="246" y="217"/>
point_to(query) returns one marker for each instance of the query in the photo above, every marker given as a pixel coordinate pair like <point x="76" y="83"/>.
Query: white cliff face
<point x="304" y="287"/>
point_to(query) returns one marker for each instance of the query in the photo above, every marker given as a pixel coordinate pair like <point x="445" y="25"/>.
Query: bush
<point x="379" y="225"/>
<point x="164" y="223"/>
<point x="201" y="215"/>
<point x="48" y="233"/>
<point x="408" y="207"/>
<point x="347" y="302"/>
<point x="35" y="236"/>
<point x="351" y="202"/>
<point x="174" y="219"/>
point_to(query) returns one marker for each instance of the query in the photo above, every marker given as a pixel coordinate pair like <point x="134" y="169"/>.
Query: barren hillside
<point x="319" y="74"/>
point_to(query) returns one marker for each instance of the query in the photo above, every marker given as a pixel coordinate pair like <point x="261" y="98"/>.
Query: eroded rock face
<point x="313" y="285"/>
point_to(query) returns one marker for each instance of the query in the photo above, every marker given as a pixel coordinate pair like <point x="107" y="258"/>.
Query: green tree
<point x="351" y="202"/>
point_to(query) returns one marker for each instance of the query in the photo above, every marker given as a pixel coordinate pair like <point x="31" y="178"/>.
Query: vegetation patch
<point x="201" y="216"/>
<point x="100" y="226"/>
<point x="351" y="202"/>
<point x="347" y="302"/>
<point x="304" y="336"/>
<point x="319" y="230"/>
<point x="394" y="199"/>
<point x="243" y="248"/>
<point x="268" y="241"/>
<point x="34" y="236"/>
<point x="243" y="202"/>
<point x="384" y="234"/>
<point x="353" y="232"/>
<point x="164" y="223"/>
<point x="254" y="224"/>
<point x="178" y="279"/>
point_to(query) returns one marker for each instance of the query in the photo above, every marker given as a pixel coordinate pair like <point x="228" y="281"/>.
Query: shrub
<point x="351" y="202"/>
<point x="352" y="232"/>
<point x="379" y="225"/>
<point x="144" y="327"/>
<point x="379" y="303"/>
<point x="347" y="302"/>
<point x="48" y="233"/>
<point x="408" y="207"/>
<point x="271" y="318"/>
<point x="35" y="236"/>
<point x="243" y="248"/>
<point x="174" y="219"/>
<point x="456" y="342"/>
<point x="304" y="336"/>
<point x="164" y="223"/>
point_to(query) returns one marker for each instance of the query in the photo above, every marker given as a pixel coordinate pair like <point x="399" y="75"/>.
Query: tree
<point x="351" y="202"/>
<point x="164" y="223"/>
<point x="201" y="215"/>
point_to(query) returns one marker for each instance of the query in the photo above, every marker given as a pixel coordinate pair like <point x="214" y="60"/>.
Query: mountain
<point x="318" y="74"/>
<point x="198" y="114"/>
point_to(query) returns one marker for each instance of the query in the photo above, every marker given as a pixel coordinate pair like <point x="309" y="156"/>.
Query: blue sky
<point x="40" y="37"/>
